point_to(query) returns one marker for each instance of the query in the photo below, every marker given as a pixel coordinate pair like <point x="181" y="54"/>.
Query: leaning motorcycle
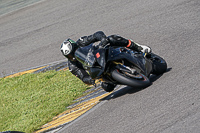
<point x="120" y="65"/>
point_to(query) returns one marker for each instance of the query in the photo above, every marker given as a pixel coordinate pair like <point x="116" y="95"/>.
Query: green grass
<point x="31" y="100"/>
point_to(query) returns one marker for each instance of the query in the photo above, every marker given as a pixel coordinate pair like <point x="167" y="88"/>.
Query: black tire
<point x="130" y="81"/>
<point x="159" y="64"/>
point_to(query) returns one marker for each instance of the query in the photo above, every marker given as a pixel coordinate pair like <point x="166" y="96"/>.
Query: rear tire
<point x="129" y="80"/>
<point x="159" y="64"/>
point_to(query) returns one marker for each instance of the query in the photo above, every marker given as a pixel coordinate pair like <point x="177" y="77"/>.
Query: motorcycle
<point x="120" y="65"/>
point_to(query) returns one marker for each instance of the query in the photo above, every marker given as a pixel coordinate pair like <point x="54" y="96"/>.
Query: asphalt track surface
<point x="32" y="36"/>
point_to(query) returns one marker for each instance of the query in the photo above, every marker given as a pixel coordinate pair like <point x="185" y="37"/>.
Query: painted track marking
<point x="71" y="114"/>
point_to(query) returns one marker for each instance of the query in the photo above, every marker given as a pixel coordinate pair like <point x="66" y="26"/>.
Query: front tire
<point x="107" y="86"/>
<point x="138" y="81"/>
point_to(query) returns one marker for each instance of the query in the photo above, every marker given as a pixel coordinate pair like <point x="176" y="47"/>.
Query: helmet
<point x="68" y="48"/>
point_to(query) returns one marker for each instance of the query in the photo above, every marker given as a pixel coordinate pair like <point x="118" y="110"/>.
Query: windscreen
<point x="85" y="56"/>
<point x="90" y="59"/>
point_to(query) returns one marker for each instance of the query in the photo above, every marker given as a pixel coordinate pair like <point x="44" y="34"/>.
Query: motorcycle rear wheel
<point x="137" y="80"/>
<point x="159" y="64"/>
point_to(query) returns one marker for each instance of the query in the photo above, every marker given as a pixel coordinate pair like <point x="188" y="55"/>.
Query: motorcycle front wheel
<point x="136" y="79"/>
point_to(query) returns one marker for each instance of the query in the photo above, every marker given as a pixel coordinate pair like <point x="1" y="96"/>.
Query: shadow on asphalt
<point x="131" y="90"/>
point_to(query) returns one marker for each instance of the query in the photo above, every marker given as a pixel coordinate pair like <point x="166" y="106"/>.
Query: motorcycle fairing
<point x="94" y="60"/>
<point x="137" y="59"/>
<point x="88" y="56"/>
<point x="96" y="70"/>
<point x="84" y="55"/>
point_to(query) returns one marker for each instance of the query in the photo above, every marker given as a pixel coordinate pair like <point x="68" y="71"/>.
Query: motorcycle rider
<point x="69" y="47"/>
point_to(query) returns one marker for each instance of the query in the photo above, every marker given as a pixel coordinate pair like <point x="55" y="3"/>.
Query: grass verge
<point x="31" y="100"/>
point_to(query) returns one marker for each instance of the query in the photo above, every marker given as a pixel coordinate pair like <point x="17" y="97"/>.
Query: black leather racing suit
<point x="76" y="67"/>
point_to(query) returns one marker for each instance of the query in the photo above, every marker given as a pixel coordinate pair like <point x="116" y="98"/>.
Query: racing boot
<point x="116" y="40"/>
<point x="137" y="47"/>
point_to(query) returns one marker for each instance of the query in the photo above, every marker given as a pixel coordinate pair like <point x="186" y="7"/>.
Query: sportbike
<point x="120" y="65"/>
